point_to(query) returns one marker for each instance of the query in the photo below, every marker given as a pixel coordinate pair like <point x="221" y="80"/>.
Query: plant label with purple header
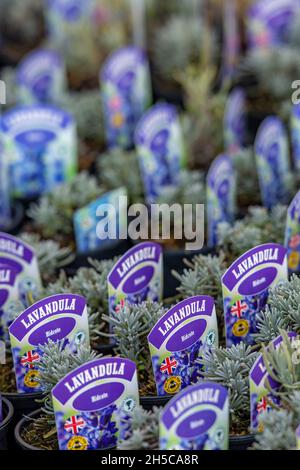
<point x="21" y="260"/>
<point x="9" y="292"/>
<point x="261" y="386"/>
<point x="178" y="340"/>
<point x="269" y="22"/>
<point x="41" y="147"/>
<point x="93" y="404"/>
<point x="126" y="93"/>
<point x="160" y="148"/>
<point x="246" y="287"/>
<point x="55" y="318"/>
<point x="197" y="418"/>
<point x="101" y="223"/>
<point x="272" y="160"/>
<point x="136" y="277"/>
<point x="220" y="183"/>
<point x="41" y="77"/>
<point x="292" y="234"/>
<point x="235" y="121"/>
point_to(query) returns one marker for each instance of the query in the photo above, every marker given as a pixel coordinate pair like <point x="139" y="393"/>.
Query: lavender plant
<point x="282" y="311"/>
<point x="52" y="216"/>
<point x="248" y="193"/>
<point x="230" y="367"/>
<point x="144" y="430"/>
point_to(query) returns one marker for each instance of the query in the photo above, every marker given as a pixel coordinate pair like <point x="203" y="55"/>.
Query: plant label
<point x="9" y="293"/>
<point x="126" y="93"/>
<point x="292" y="235"/>
<point x="295" y="135"/>
<point x="269" y="22"/>
<point x="220" y="185"/>
<point x="272" y="160"/>
<point x="93" y="404"/>
<point x="197" y="418"/>
<point x="178" y="340"/>
<point x="160" y="147"/>
<point x="41" y="148"/>
<point x="235" y="121"/>
<point x="102" y="223"/>
<point x="55" y="318"/>
<point x="246" y="287"/>
<point x="261" y="383"/>
<point x="136" y="277"/>
<point x="41" y="77"/>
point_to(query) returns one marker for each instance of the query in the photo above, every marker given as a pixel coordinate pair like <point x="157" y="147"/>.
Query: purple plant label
<point x="292" y="234"/>
<point x="9" y="293"/>
<point x="298" y="437"/>
<point x="60" y="317"/>
<point x="160" y="147"/>
<point x="270" y="21"/>
<point x="197" y="418"/>
<point x="41" y="77"/>
<point x="126" y="92"/>
<point x="235" y="121"/>
<point x="136" y="277"/>
<point x="246" y="287"/>
<point x="41" y="147"/>
<point x="261" y="398"/>
<point x="295" y="135"/>
<point x="220" y="185"/>
<point x="232" y="41"/>
<point x="94" y="403"/>
<point x="272" y="160"/>
<point x="93" y="224"/>
<point x="22" y="259"/>
<point x="178" y="340"/>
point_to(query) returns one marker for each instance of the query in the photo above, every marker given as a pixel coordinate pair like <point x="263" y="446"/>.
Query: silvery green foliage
<point x="177" y="43"/>
<point x="230" y="367"/>
<point x="144" y="430"/>
<point x="282" y="311"/>
<point x="278" y="431"/>
<point x="258" y="227"/>
<point x="53" y="214"/>
<point x="191" y="189"/>
<point x="86" y="108"/>
<point x="131" y="326"/>
<point x="50" y="255"/>
<point x="248" y="192"/>
<point x="56" y="362"/>
<point x="21" y="22"/>
<point x="119" y="168"/>
<point x="91" y="283"/>
<point x="203" y="278"/>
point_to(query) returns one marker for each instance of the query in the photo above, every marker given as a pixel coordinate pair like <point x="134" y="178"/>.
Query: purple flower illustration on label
<point x="220" y="183"/>
<point x="126" y="93"/>
<point x="178" y="340"/>
<point x="160" y="147"/>
<point x="55" y="318"/>
<point x="261" y="398"/>
<point x="197" y="418"/>
<point x="246" y="287"/>
<point x="40" y="145"/>
<point x="41" y="77"/>
<point x="272" y="159"/>
<point x="269" y="22"/>
<point x="292" y="234"/>
<point x="136" y="277"/>
<point x="93" y="404"/>
<point x="235" y="121"/>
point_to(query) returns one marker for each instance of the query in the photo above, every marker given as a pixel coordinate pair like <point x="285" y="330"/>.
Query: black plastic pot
<point x="149" y="402"/>
<point x="241" y="442"/>
<point x="105" y="349"/>
<point x="17" y="219"/>
<point x="8" y="413"/>
<point x="19" y="428"/>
